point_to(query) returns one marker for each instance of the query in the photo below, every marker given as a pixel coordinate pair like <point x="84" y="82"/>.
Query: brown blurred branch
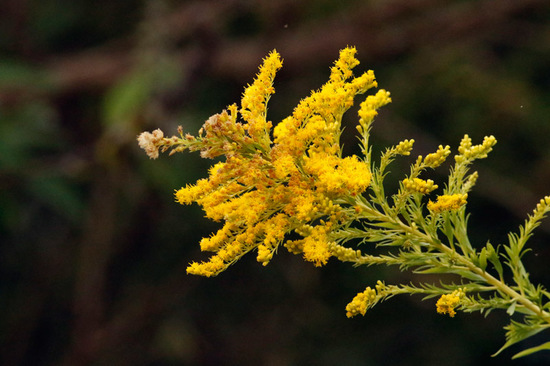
<point x="99" y="327"/>
<point x="96" y="251"/>
<point x="385" y="29"/>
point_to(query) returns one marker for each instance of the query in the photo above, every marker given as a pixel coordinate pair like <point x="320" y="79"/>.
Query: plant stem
<point x="463" y="260"/>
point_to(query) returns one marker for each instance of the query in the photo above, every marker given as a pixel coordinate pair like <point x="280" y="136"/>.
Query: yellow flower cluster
<point x="361" y="302"/>
<point x="345" y="254"/>
<point x="366" y="299"/>
<point x="404" y="147"/>
<point x="437" y="158"/>
<point x="265" y="190"/>
<point x="542" y="206"/>
<point x="334" y="175"/>
<point x="290" y="186"/>
<point x="448" y="302"/>
<point x="419" y="185"/>
<point x="368" y="109"/>
<point x="448" y="202"/>
<point x="315" y="245"/>
<point x="314" y="125"/>
<point x="255" y="98"/>
<point x="469" y="152"/>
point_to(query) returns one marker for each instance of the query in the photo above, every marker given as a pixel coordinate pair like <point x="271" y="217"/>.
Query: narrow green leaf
<point x="483" y="259"/>
<point x="493" y="257"/>
<point x="511" y="309"/>
<point x="461" y="272"/>
<point x="387" y="225"/>
<point x="517" y="332"/>
<point x="126" y="99"/>
<point x="527" y="352"/>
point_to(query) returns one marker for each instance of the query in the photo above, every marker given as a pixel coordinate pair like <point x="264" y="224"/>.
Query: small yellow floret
<point x="437" y="158"/>
<point x="404" y="147"/>
<point x="368" y="109"/>
<point x="255" y="98"/>
<point x="343" y="253"/>
<point x="361" y="302"/>
<point x="448" y="202"/>
<point x="470" y="182"/>
<point x="207" y="269"/>
<point x="447" y="303"/>
<point x="193" y="192"/>
<point x="316" y="251"/>
<point x="542" y="206"/>
<point x="467" y="152"/>
<point x="419" y="185"/>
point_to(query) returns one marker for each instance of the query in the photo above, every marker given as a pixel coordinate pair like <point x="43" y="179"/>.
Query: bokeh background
<point x="93" y="248"/>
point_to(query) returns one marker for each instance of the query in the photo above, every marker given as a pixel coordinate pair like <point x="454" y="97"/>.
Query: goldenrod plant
<point x="290" y="185"/>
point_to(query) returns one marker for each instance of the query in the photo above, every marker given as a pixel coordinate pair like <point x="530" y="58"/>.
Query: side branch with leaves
<point x="292" y="178"/>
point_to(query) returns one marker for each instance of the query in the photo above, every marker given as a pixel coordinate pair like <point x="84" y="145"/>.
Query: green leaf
<point x="492" y="256"/>
<point x="448" y="229"/>
<point x="461" y="272"/>
<point x="483" y="259"/>
<point x="125" y="101"/>
<point x="527" y="352"/>
<point x="511" y="309"/>
<point x="387" y="225"/>
<point x="517" y="332"/>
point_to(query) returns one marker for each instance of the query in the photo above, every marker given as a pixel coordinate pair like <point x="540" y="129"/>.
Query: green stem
<point x="462" y="260"/>
<point x="490" y="279"/>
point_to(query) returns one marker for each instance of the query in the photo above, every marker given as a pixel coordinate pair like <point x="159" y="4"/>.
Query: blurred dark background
<point x="93" y="248"/>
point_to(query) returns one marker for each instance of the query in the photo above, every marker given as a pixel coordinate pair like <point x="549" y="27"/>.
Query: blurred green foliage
<point x="93" y="249"/>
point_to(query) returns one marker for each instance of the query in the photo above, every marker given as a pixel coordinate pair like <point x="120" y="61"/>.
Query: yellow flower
<point x="467" y="152"/>
<point x="266" y="189"/>
<point x="275" y="230"/>
<point x="315" y="246"/>
<point x="437" y="158"/>
<point x="404" y="147"/>
<point x="419" y="185"/>
<point x="255" y="98"/>
<point x="207" y="269"/>
<point x="335" y="175"/>
<point x="542" y="206"/>
<point x="316" y="250"/>
<point x="361" y="302"/>
<point x="448" y="202"/>
<point x="343" y="253"/>
<point x="368" y="109"/>
<point x="315" y="123"/>
<point x="448" y="302"/>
